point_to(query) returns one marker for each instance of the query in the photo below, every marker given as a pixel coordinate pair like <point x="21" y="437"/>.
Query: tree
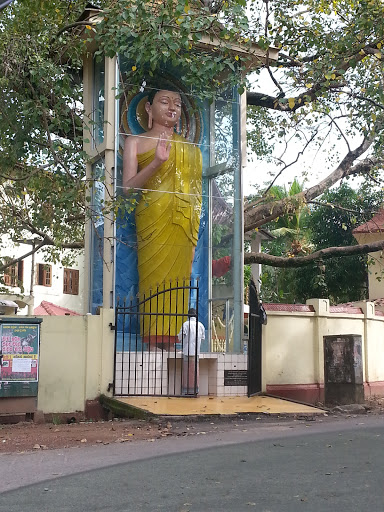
<point x="293" y="227"/>
<point x="292" y="238"/>
<point x="327" y="91"/>
<point x="328" y="84"/>
<point x="41" y="159"/>
<point x="330" y="223"/>
<point x="42" y="165"/>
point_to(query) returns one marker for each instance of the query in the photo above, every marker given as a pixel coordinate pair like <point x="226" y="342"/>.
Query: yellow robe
<point x="167" y="225"/>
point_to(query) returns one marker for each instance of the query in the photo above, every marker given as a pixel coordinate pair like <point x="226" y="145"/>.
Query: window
<point x="71" y="281"/>
<point x="13" y="275"/>
<point x="43" y="274"/>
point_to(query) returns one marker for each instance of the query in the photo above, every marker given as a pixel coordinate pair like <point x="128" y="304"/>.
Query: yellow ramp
<point x="217" y="405"/>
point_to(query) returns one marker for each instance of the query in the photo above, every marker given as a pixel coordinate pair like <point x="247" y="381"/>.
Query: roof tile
<point x="375" y="225"/>
<point x="48" y="308"/>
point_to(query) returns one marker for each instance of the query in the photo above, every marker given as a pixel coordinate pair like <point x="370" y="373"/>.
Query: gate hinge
<point x="112" y="327"/>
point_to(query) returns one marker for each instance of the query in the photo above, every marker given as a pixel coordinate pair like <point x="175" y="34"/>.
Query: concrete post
<point x="368" y="309"/>
<point x="109" y="140"/>
<point x="321" y="307"/>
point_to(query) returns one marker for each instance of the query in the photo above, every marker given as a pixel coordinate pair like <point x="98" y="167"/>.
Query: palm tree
<point x="292" y="227"/>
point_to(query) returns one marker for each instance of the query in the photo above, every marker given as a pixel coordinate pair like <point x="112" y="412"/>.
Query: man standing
<point x="190" y="336"/>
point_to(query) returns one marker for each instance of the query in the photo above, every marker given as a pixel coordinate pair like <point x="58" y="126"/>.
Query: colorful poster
<point x="20" y="351"/>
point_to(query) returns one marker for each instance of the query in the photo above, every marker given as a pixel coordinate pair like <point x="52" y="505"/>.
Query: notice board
<point x="19" y="355"/>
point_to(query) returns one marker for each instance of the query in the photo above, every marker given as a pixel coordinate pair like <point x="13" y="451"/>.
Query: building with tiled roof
<point x="373" y="231"/>
<point x="375" y="225"/>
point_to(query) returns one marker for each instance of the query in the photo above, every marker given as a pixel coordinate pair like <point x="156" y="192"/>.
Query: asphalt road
<point x="288" y="467"/>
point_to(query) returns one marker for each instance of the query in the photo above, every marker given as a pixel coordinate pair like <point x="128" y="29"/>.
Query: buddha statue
<point x="167" y="171"/>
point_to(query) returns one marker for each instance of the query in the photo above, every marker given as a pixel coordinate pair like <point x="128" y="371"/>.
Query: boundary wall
<point x="77" y="354"/>
<point x="293" y="351"/>
<point x="76" y="361"/>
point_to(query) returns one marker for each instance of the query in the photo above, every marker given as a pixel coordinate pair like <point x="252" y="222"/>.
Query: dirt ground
<point x="28" y="436"/>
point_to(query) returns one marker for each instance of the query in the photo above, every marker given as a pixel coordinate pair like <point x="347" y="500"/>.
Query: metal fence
<point x="150" y="356"/>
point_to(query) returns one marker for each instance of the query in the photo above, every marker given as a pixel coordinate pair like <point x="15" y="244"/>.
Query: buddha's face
<point x="165" y="108"/>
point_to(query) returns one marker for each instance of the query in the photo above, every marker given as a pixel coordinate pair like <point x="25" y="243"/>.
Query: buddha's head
<point x="163" y="108"/>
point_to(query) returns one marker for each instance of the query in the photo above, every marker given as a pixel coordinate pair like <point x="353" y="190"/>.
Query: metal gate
<point x="254" y="342"/>
<point x="150" y="359"/>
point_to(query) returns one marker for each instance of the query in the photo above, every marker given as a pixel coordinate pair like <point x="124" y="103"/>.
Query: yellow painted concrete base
<point x="217" y="405"/>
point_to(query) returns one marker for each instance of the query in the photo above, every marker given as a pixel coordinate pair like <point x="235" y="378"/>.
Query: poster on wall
<point x="20" y="352"/>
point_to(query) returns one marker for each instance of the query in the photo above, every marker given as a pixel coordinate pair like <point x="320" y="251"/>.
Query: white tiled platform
<point x="154" y="373"/>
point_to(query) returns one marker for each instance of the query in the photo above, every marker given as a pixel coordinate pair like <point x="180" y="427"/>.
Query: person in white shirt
<point x="191" y="334"/>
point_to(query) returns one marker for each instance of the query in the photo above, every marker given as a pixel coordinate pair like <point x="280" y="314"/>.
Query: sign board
<point x="343" y="359"/>
<point x="343" y="369"/>
<point x="19" y="345"/>
<point x="235" y="377"/>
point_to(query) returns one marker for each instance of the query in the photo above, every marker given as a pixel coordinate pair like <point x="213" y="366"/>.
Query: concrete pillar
<point x="321" y="329"/>
<point x="368" y="309"/>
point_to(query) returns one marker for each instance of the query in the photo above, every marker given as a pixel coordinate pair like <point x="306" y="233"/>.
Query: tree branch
<point x="338" y="207"/>
<point x="256" y="216"/>
<point x="9" y="263"/>
<point x="286" y="166"/>
<point x="323" y="254"/>
<point x="274" y="102"/>
<point x="41" y="243"/>
<point x="45" y="239"/>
